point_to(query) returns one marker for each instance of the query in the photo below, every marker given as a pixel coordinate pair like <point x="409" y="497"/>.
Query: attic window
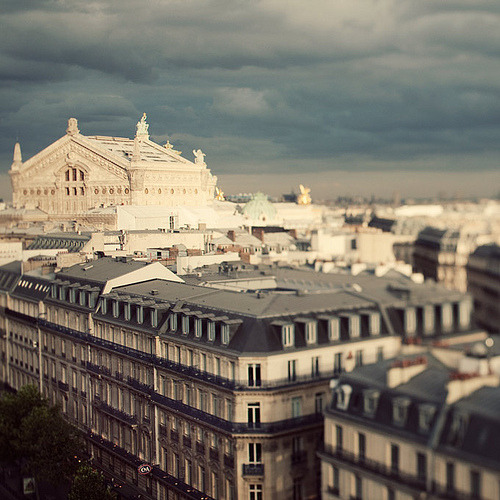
<point x="354" y="327"/>
<point x="53" y="291"/>
<point x="211" y="330"/>
<point x="288" y="335"/>
<point x="82" y="297"/>
<point x="104" y="306"/>
<point x="116" y="308"/>
<point x="126" y="311"/>
<point x="225" y="334"/>
<point x="198" y="328"/>
<point x="370" y="401"/>
<point x="62" y="293"/>
<point x="400" y="410"/>
<point x="333" y="329"/>
<point x="311" y="332"/>
<point x="425" y="415"/>
<point x="343" y="396"/>
<point x="173" y="322"/>
<point x="375" y="323"/>
<point x="154" y="317"/>
<point x="185" y="325"/>
<point x="457" y="429"/>
<point x="140" y="314"/>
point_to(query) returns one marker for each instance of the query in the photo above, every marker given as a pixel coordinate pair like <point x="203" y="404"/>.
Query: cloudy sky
<point x="348" y="96"/>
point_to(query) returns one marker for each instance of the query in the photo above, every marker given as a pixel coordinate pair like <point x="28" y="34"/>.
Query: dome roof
<point x="259" y="208"/>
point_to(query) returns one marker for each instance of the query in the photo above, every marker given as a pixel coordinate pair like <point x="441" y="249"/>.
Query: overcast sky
<point x="345" y="95"/>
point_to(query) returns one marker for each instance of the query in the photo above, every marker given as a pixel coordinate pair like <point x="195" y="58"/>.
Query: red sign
<point x="144" y="469"/>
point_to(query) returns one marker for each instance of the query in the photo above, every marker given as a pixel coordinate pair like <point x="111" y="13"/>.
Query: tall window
<point x="253" y="412"/>
<point x="422" y="467"/>
<point x="292" y="370"/>
<point x="333" y="329"/>
<point x="255" y="453"/>
<point x="334" y="480"/>
<point x="297" y="489"/>
<point x="475" y="484"/>
<point x="361" y="447"/>
<point x="337" y="363"/>
<point x="225" y="334"/>
<point x="339" y="438"/>
<point x="358" y="487"/>
<point x="211" y="330"/>
<point x="359" y="357"/>
<point x="297" y="407"/>
<point x="254" y="379"/>
<point x="255" y="492"/>
<point x="315" y="366"/>
<point x="287" y="334"/>
<point x="395" y="458"/>
<point x="185" y="324"/>
<point x="311" y="332"/>
<point x="318" y="402"/>
<point x="450" y="476"/>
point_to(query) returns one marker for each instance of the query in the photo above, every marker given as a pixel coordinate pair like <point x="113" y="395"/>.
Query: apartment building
<point x="221" y="392"/>
<point x="422" y="425"/>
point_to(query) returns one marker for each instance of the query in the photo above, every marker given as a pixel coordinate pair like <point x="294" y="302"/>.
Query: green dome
<point x="259" y="208"/>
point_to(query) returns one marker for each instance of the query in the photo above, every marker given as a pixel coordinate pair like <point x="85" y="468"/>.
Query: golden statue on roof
<point x="304" y="198"/>
<point x="219" y="194"/>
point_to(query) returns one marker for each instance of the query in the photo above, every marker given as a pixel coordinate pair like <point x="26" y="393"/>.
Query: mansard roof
<point x="10" y="274"/>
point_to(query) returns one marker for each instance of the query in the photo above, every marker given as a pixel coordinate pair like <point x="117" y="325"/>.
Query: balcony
<point x="114" y="412"/>
<point x="200" y="448"/>
<point x="132" y="382"/>
<point x="253" y="469"/>
<point x="186" y="441"/>
<point x="93" y="368"/>
<point x="363" y="463"/>
<point x="213" y="454"/>
<point x="163" y="430"/>
<point x="174" y="436"/>
<point x="63" y="386"/>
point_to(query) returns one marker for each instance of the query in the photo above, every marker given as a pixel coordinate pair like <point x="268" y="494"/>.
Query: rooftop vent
<point x="154" y="292"/>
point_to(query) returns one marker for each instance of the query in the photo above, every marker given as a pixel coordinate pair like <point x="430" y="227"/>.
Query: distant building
<point x="78" y="173"/>
<point x="422" y="425"/>
<point x="483" y="275"/>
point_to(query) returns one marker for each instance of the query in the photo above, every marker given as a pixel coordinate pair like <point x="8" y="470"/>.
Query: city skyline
<point x="365" y="97"/>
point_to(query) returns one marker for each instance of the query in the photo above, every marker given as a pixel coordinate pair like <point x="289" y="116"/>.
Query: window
<point x="359" y="358"/>
<point x="370" y="400"/>
<point x="154" y="317"/>
<point x="225" y="334"/>
<point x="395" y="458"/>
<point x="185" y="325"/>
<point x="315" y="366"/>
<point x="253" y="411"/>
<point x="422" y="467"/>
<point x="254" y="379"/>
<point x="410" y="319"/>
<point x="202" y="480"/>
<point x="361" y="446"/>
<point x="126" y="311"/>
<point x="140" y="314"/>
<point x="292" y="370"/>
<point x="380" y="354"/>
<point x="333" y="329"/>
<point x="116" y="308"/>
<point x="297" y="407"/>
<point x="311" y="332"/>
<point x="337" y="363"/>
<point x="343" y="394"/>
<point x="354" y="327"/>
<point x="255" y="453"/>
<point x="475" y="484"/>
<point x="334" y="480"/>
<point x="375" y="323"/>
<point x="197" y="328"/>
<point x="211" y="330"/>
<point x="400" y="410"/>
<point x="450" y="476"/>
<point x="255" y="492"/>
<point x="173" y="322"/>
<point x="287" y="335"/>
<point x="318" y="402"/>
<point x="358" y="487"/>
<point x="425" y="416"/>
<point x="188" y="465"/>
<point x="457" y="429"/>
<point x="215" y="485"/>
<point x="297" y="489"/>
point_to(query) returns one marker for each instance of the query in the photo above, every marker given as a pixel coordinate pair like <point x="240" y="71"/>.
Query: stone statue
<point x="219" y="194"/>
<point x="171" y="148"/>
<point x="142" y="127"/>
<point x="199" y="157"/>
<point x="72" y="127"/>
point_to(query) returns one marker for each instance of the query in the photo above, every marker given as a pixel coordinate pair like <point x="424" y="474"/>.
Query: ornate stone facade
<point x="77" y="173"/>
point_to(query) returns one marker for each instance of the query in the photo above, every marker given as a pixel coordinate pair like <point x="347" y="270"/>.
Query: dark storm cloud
<point x="270" y="84"/>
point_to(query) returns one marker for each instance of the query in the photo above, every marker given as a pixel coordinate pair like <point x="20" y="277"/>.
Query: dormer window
<point x="333" y="329"/>
<point x="210" y="330"/>
<point x="154" y="317"/>
<point x="311" y="332"/>
<point x="447" y="316"/>
<point x="375" y="323"/>
<point x="400" y="410"/>
<point x="225" y="334"/>
<point x="173" y="322"/>
<point x="425" y="415"/>
<point x="82" y="298"/>
<point x="370" y="401"/>
<point x="62" y="293"/>
<point x="116" y="309"/>
<point x="53" y="291"/>
<point x="185" y="325"/>
<point x="72" y="295"/>
<point x="457" y="429"/>
<point x="126" y="311"/>
<point x="343" y="393"/>
<point x="410" y="320"/>
<point x="104" y="305"/>
<point x="288" y="335"/>
<point x="140" y="314"/>
<point x="198" y="327"/>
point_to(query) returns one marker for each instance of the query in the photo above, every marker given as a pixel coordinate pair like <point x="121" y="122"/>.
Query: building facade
<point x="77" y="173"/>
<point x="414" y="427"/>
<point x="222" y="392"/>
